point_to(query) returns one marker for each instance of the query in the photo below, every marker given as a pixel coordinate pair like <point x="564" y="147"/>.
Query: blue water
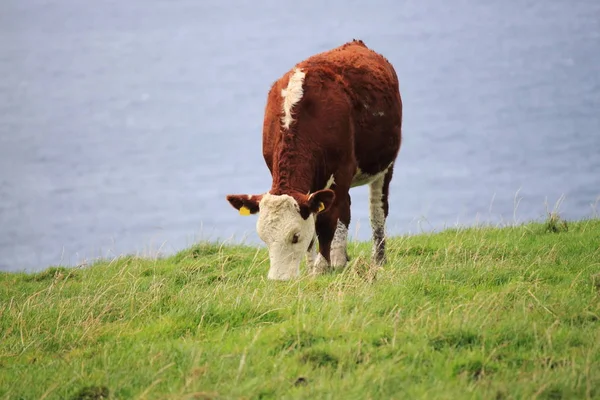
<point x="123" y="125"/>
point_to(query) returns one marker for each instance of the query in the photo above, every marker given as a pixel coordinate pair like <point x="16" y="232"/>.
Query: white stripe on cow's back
<point x="292" y="94"/>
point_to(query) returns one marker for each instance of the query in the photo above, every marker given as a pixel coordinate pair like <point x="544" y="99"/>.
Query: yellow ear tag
<point x="321" y="207"/>
<point x="245" y="211"/>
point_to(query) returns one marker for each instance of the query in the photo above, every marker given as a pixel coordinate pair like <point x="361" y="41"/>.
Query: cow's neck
<point x="294" y="166"/>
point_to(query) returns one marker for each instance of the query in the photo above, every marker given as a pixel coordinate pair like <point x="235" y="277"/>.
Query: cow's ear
<point x="321" y="200"/>
<point x="246" y="204"/>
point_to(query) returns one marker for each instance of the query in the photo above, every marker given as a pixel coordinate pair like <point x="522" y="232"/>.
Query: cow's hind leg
<point x="379" y="207"/>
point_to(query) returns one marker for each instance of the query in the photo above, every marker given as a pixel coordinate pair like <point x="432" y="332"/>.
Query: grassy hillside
<point x="474" y="313"/>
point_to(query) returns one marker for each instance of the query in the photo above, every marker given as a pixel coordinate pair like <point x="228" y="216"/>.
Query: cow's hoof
<point x="320" y="266"/>
<point x="339" y="259"/>
<point x="380" y="261"/>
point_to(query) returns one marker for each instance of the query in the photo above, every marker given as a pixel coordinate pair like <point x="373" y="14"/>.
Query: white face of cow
<point x="286" y="234"/>
<point x="283" y="228"/>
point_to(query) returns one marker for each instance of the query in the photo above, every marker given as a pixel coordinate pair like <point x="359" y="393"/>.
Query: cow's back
<point x="373" y="91"/>
<point x="369" y="85"/>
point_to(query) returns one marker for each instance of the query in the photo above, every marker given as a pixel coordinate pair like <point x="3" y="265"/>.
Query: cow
<point x="331" y="123"/>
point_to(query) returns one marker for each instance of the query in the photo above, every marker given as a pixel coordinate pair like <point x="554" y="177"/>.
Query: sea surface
<point x="123" y="124"/>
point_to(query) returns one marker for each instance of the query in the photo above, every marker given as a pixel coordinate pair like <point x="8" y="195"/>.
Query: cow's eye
<point x="295" y="238"/>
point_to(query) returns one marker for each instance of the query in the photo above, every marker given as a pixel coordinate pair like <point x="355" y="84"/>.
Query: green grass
<point x="482" y="313"/>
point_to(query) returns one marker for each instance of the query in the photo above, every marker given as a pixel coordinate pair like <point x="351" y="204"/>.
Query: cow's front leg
<point x="332" y="232"/>
<point x="325" y="227"/>
<point x="339" y="252"/>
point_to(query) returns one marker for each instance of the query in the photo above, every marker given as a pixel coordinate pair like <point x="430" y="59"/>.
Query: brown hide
<point x="338" y="123"/>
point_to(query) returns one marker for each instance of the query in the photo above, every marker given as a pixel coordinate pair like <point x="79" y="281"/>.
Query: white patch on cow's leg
<point x="292" y="94"/>
<point x="320" y="266"/>
<point x="377" y="216"/>
<point x="339" y="254"/>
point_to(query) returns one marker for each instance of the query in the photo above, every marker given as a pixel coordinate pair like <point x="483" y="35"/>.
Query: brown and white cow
<point x="331" y="123"/>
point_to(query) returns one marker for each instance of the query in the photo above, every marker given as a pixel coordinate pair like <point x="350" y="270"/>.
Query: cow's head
<point x="286" y="224"/>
